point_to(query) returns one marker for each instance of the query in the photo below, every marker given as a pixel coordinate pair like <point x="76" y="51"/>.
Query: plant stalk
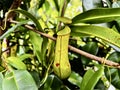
<point x="93" y="57"/>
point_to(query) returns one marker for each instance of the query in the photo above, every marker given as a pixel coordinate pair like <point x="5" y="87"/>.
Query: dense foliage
<point x="34" y="38"/>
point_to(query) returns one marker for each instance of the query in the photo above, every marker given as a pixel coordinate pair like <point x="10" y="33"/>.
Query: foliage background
<point x="27" y="57"/>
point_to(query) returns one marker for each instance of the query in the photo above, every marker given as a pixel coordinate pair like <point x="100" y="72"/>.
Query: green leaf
<point x="64" y="20"/>
<point x="56" y="5"/>
<point x="95" y="16"/>
<point x="44" y="49"/>
<point x="25" y="56"/>
<point x="103" y="33"/>
<point x="25" y="80"/>
<point x="16" y="62"/>
<point x="94" y="79"/>
<point x="47" y="6"/>
<point x="36" y="77"/>
<point x="19" y="80"/>
<point x="86" y="78"/>
<point x="36" y="41"/>
<point x="52" y="83"/>
<point x="90" y="47"/>
<point x="7" y="33"/>
<point x="29" y="15"/>
<point x="114" y="73"/>
<point x="101" y="85"/>
<point x="115" y="57"/>
<point x="75" y="79"/>
<point x="1" y="68"/>
<point x="1" y="80"/>
<point x="10" y="82"/>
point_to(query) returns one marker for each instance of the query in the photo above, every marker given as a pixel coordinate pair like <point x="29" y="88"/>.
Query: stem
<point x="63" y="5"/>
<point x="93" y="57"/>
<point x="0" y="50"/>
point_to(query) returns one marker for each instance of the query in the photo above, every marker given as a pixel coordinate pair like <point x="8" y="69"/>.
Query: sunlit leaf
<point x="18" y="80"/>
<point x="74" y="8"/>
<point x="46" y="5"/>
<point x="86" y="78"/>
<point x="24" y="80"/>
<point x="94" y="79"/>
<point x="25" y="56"/>
<point x="91" y="78"/>
<point x="100" y="15"/>
<point x="16" y="62"/>
<point x="36" y="41"/>
<point x="9" y="81"/>
<point x="64" y="20"/>
<point x="103" y="33"/>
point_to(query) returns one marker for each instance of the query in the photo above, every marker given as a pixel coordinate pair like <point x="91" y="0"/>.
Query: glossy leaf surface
<point x="94" y="79"/>
<point x="103" y="33"/>
<point x="95" y="16"/>
<point x="18" y="80"/>
<point x="91" y="78"/>
<point x="75" y="79"/>
<point x="90" y="47"/>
